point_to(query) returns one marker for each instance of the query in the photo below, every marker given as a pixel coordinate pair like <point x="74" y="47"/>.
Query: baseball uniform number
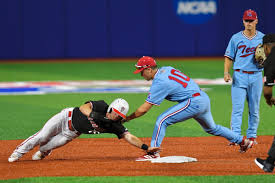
<point x="181" y="75"/>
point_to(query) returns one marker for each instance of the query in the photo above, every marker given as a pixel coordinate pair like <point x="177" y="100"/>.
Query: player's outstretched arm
<point x="131" y="139"/>
<point x="140" y="111"/>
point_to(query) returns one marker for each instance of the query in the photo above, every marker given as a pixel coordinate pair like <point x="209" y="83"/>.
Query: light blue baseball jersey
<point x="241" y="50"/>
<point x="169" y="83"/>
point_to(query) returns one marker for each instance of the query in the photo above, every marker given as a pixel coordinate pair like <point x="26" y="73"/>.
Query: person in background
<point x="269" y="81"/>
<point x="247" y="77"/>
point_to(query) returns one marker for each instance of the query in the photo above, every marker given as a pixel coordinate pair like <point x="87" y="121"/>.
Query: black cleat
<point x="267" y="167"/>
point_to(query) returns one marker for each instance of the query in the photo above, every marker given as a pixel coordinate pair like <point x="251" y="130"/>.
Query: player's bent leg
<point x="174" y="114"/>
<point x="209" y="126"/>
<point x="206" y="121"/>
<point x="238" y="96"/>
<point x="51" y="128"/>
<point x="57" y="141"/>
<point x="25" y="147"/>
<point x="46" y="149"/>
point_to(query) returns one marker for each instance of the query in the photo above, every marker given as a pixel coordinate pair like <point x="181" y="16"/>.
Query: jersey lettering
<point x="180" y="75"/>
<point x="248" y="51"/>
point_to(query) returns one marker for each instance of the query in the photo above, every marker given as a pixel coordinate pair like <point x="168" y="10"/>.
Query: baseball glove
<point x="260" y="56"/>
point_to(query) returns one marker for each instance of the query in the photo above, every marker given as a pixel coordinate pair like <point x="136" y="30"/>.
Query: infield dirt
<point x="113" y="157"/>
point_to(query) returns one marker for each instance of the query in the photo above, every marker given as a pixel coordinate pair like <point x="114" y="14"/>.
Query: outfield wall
<point x="45" y="29"/>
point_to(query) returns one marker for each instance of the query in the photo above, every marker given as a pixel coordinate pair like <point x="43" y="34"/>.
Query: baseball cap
<point x="250" y="15"/>
<point x="143" y="63"/>
<point x="269" y="38"/>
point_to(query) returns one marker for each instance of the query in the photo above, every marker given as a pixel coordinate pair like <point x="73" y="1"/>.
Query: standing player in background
<point x="247" y="78"/>
<point x="269" y="77"/>
<point x="171" y="84"/>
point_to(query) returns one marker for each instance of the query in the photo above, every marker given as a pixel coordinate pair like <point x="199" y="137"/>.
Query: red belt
<point x="70" y="123"/>
<point x="196" y="94"/>
<point x="247" y="72"/>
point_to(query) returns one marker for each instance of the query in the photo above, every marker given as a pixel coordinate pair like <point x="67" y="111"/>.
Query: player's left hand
<point x="153" y="149"/>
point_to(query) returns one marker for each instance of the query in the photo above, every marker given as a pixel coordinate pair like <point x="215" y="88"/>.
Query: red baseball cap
<point x="143" y="63"/>
<point x="250" y="15"/>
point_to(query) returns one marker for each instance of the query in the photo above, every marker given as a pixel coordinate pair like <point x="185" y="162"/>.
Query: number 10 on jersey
<point x="182" y="78"/>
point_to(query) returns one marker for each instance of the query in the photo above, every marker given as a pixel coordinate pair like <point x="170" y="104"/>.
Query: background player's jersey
<point x="169" y="83"/>
<point x="241" y="50"/>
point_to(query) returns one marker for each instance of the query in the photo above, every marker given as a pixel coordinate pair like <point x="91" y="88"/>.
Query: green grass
<point x="149" y="179"/>
<point x="23" y="115"/>
<point x="30" y="112"/>
<point x="80" y="70"/>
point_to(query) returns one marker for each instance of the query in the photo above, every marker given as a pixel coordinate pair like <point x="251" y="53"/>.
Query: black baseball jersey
<point x="269" y="69"/>
<point x="86" y="125"/>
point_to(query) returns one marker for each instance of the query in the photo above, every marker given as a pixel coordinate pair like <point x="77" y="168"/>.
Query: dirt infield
<point x="112" y="157"/>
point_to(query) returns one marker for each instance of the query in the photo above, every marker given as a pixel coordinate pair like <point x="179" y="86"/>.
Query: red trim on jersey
<point x="152" y="103"/>
<point x="119" y="113"/>
<point x="228" y="57"/>
<point x="248" y="37"/>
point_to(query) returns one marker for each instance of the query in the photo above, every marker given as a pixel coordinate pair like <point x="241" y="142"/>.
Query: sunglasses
<point x="144" y="66"/>
<point x="249" y="21"/>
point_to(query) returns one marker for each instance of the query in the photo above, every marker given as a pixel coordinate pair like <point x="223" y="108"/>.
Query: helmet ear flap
<point x="110" y="110"/>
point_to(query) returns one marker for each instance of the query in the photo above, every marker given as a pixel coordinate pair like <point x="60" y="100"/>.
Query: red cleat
<point x="148" y="157"/>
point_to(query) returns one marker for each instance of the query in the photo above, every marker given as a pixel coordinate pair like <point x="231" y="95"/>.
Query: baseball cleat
<point x="245" y="145"/>
<point x="40" y="155"/>
<point x="267" y="167"/>
<point x="254" y="140"/>
<point x="148" y="157"/>
<point x="15" y="156"/>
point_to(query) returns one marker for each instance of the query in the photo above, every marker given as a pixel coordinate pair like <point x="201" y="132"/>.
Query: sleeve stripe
<point x="228" y="57"/>
<point x="152" y="103"/>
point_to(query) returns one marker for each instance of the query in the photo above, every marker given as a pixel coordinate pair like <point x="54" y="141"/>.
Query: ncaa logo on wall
<point x="195" y="11"/>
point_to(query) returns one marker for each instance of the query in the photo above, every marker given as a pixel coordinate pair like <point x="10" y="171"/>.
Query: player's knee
<point x="237" y="112"/>
<point x="43" y="139"/>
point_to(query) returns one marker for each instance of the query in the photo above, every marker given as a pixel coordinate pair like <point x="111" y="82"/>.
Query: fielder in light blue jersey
<point x="247" y="78"/>
<point x="171" y="84"/>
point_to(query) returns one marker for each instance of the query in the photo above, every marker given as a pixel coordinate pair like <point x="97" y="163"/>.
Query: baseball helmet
<point x="119" y="106"/>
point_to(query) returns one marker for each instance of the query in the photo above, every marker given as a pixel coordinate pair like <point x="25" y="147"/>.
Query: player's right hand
<point x="227" y="77"/>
